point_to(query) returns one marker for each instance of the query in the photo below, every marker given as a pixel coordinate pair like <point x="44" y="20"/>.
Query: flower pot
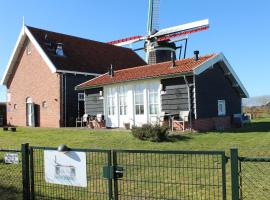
<point x="5" y="128"/>
<point x="127" y="125"/>
<point x="13" y="129"/>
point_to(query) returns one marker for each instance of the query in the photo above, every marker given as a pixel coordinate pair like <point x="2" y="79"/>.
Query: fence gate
<point x="137" y="174"/>
<point x="170" y="175"/>
<point x="97" y="186"/>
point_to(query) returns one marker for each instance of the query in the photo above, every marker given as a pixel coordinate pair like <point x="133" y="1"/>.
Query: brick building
<point x="45" y="67"/>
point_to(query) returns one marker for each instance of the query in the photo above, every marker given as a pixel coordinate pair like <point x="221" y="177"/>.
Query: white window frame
<point x="81" y="96"/>
<point x="111" y="102"/>
<point x="139" y="93"/>
<point x="221" y="107"/>
<point x="123" y="100"/>
<point x="153" y="91"/>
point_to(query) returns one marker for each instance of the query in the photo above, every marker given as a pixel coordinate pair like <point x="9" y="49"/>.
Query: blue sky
<point x="240" y="29"/>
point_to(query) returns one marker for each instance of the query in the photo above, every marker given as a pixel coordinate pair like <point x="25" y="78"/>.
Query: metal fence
<point x="254" y="177"/>
<point x="171" y="174"/>
<point x="10" y="175"/>
<point x="250" y="177"/>
<point x="139" y="174"/>
<point x="97" y="186"/>
<point x="146" y="175"/>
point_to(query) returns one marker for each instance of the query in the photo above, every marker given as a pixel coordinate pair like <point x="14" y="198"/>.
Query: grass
<point x="252" y="140"/>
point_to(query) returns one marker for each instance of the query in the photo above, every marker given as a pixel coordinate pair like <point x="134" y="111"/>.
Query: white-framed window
<point x="153" y="99"/>
<point x="139" y="100"/>
<point x="28" y="48"/>
<point x="123" y="100"/>
<point x="221" y="107"/>
<point x="111" y="101"/>
<point x="80" y="96"/>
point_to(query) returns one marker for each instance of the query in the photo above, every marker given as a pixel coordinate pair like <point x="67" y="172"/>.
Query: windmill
<point x="158" y="45"/>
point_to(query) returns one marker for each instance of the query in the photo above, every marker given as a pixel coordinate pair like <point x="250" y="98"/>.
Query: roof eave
<point x="190" y="73"/>
<point x="16" y="51"/>
<point x="221" y="58"/>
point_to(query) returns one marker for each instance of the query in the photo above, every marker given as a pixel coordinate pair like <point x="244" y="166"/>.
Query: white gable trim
<point x="16" y="51"/>
<point x="13" y="57"/>
<point x="221" y="58"/>
<point x="40" y="50"/>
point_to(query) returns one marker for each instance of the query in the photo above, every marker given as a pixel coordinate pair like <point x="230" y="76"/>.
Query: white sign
<point x="65" y="168"/>
<point x="11" y="158"/>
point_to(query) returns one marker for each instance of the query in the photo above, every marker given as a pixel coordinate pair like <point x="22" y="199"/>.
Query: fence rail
<point x="139" y="174"/>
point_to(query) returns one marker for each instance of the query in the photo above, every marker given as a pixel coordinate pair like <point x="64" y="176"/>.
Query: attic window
<point x="28" y="48"/>
<point x="59" y="49"/>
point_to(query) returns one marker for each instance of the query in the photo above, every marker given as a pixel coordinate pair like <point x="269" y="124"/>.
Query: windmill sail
<point x="153" y="16"/>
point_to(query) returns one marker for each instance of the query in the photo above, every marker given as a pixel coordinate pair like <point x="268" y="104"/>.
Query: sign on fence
<point x="65" y="168"/>
<point x="11" y="158"/>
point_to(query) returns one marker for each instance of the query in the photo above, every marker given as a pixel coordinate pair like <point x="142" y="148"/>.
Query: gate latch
<point x="113" y="172"/>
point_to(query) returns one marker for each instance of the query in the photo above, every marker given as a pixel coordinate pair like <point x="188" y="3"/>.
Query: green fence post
<point x="25" y="171"/>
<point x="234" y="173"/>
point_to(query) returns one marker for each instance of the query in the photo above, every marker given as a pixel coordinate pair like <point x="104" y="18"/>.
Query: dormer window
<point x="59" y="49"/>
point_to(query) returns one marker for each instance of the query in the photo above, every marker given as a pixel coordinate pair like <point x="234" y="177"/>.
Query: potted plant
<point x="127" y="125"/>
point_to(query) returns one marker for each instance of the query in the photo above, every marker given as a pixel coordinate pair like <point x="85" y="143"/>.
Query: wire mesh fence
<point x="10" y="174"/>
<point x="171" y="175"/>
<point x="254" y="178"/>
<point x="97" y="186"/>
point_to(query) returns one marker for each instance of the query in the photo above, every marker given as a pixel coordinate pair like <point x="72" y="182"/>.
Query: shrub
<point x="154" y="133"/>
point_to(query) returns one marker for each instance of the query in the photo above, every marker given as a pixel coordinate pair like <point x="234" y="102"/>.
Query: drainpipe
<point x="65" y="100"/>
<point x="189" y="103"/>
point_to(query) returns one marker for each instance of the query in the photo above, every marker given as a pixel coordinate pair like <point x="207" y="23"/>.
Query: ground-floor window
<point x="111" y="101"/>
<point x="153" y="99"/>
<point x="123" y="100"/>
<point x="139" y="100"/>
<point x="221" y="107"/>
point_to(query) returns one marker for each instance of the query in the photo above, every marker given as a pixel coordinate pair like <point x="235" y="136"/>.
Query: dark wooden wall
<point x="93" y="102"/>
<point x="176" y="97"/>
<point x="211" y="86"/>
<point x="71" y="95"/>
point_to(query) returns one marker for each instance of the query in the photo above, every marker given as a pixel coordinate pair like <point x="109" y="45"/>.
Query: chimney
<point x="196" y="55"/>
<point x="173" y="59"/>
<point x="111" y="71"/>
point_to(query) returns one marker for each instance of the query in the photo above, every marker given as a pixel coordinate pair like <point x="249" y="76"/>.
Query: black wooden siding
<point x="71" y="102"/>
<point x="176" y="97"/>
<point x="211" y="86"/>
<point x="93" y="102"/>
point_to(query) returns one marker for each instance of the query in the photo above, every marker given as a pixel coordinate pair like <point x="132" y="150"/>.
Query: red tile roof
<point x="83" y="55"/>
<point x="146" y="71"/>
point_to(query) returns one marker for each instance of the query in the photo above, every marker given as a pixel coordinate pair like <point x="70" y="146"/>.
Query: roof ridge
<point x="149" y="65"/>
<point x="78" y="37"/>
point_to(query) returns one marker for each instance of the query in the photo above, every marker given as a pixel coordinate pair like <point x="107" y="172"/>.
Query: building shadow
<point x="252" y="127"/>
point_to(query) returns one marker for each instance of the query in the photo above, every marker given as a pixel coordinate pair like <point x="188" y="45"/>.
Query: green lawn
<point x="252" y="140"/>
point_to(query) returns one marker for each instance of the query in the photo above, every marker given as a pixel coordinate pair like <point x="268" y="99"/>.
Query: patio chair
<point x="183" y="119"/>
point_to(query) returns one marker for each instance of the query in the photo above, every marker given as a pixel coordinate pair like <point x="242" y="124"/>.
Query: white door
<point x="140" y="105"/>
<point x="30" y="114"/>
<point x="112" y="110"/>
<point x="123" y="105"/>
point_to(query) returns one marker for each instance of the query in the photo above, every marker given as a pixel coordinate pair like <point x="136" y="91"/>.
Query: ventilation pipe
<point x="111" y="71"/>
<point x="196" y="55"/>
<point x="173" y="59"/>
